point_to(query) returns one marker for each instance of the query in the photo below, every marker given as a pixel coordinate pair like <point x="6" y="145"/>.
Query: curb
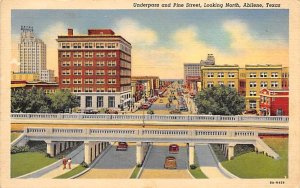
<point x="144" y="163"/>
<point x="92" y="164"/>
<point x="221" y="168"/>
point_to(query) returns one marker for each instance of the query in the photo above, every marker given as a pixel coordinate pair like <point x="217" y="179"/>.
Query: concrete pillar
<point x="139" y="153"/>
<point x="226" y="151"/>
<point x="97" y="149"/>
<point x="68" y="145"/>
<point x="191" y="153"/>
<point x="50" y="148"/>
<point x="82" y="102"/>
<point x="87" y="152"/>
<point x="230" y="152"/>
<point x="63" y="146"/>
<point x="57" y="147"/>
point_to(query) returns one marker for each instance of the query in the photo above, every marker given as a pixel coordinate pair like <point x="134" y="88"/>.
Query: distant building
<point x="47" y="76"/>
<point x="29" y="77"/>
<point x="48" y="87"/>
<point x="96" y="67"/>
<point x="32" y="52"/>
<point x="274" y="102"/>
<point x="149" y="85"/>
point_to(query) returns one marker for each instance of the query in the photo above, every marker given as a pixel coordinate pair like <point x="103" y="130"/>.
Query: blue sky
<point x="211" y="29"/>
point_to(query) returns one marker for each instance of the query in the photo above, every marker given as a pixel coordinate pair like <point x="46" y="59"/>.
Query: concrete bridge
<point x="96" y="139"/>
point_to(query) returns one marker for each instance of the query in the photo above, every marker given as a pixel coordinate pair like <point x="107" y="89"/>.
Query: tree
<point x="220" y="100"/>
<point x="63" y="100"/>
<point x="30" y="101"/>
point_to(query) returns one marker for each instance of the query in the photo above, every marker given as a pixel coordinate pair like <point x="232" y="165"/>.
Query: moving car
<point x="170" y="163"/>
<point x="173" y="148"/>
<point x="122" y="146"/>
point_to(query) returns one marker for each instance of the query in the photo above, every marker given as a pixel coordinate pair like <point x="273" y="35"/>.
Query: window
<point x="77" y="63"/>
<point x="111" y="45"/>
<point x="231" y="75"/>
<point x="77" y="54"/>
<point x="77" y="72"/>
<point x="88" y="81"/>
<point x="252" y="93"/>
<point x="100" y="81"/>
<point x="100" y="63"/>
<point x="274" y="84"/>
<point x="88" y="45"/>
<point x="220" y="74"/>
<point x="274" y="74"/>
<point x="88" y="89"/>
<point x="210" y="75"/>
<point x="111" y="89"/>
<point x="88" y="54"/>
<point x="252" y="75"/>
<point x="100" y="72"/>
<point x="66" y="72"/>
<point x="66" y="81"/>
<point x="88" y="63"/>
<point x="99" y="101"/>
<point x="77" y="45"/>
<point x="112" y="72"/>
<point x="66" y="54"/>
<point x="88" y="72"/>
<point x="111" y="63"/>
<point x="252" y="84"/>
<point x="88" y="101"/>
<point x="99" y="45"/>
<point x="111" y="81"/>
<point x="263" y="84"/>
<point x="221" y="83"/>
<point x="252" y="104"/>
<point x="66" y="63"/>
<point x="263" y="74"/>
<point x="231" y="84"/>
<point x="77" y="81"/>
<point x="77" y="89"/>
<point x="112" y="54"/>
<point x="210" y="84"/>
<point x="111" y="101"/>
<point x="65" y="45"/>
<point x="100" y="54"/>
<point x="100" y="90"/>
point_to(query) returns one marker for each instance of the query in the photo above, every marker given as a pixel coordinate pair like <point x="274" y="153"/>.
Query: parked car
<point x="90" y="112"/>
<point x="145" y="106"/>
<point x="122" y="146"/>
<point x="170" y="163"/>
<point x="175" y="111"/>
<point x="111" y="111"/>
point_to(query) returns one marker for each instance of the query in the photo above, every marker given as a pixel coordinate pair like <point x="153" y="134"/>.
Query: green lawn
<point x="14" y="135"/>
<point x="135" y="172"/>
<point x="197" y="173"/>
<point x="252" y="165"/>
<point x="71" y="173"/>
<point x="23" y="163"/>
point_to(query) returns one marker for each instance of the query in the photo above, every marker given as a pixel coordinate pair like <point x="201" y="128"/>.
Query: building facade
<point x="148" y="85"/>
<point x="96" y="67"/>
<point x="29" y="77"/>
<point x="32" y="52"/>
<point x="47" y="76"/>
<point x="274" y="102"/>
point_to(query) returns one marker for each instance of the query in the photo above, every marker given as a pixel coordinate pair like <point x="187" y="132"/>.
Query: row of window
<point x="89" y="81"/>
<point x="90" y="72"/>
<point x="263" y="75"/>
<point x="211" y="84"/>
<point x="89" y="63"/>
<point x="90" y="89"/>
<point x="220" y="74"/>
<point x="88" y="54"/>
<point x="264" y="84"/>
<point x="89" y="101"/>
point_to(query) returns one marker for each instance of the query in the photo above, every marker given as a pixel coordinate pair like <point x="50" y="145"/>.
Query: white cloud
<point x="135" y="32"/>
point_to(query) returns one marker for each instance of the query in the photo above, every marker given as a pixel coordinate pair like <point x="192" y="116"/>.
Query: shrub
<point x="193" y="166"/>
<point x="139" y="165"/>
<point x="19" y="149"/>
<point x="149" y="111"/>
<point x="84" y="164"/>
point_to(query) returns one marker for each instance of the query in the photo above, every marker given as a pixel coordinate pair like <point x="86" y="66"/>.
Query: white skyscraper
<point x="32" y="52"/>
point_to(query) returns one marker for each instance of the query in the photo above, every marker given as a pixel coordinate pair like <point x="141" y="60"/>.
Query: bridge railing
<point x="154" y="117"/>
<point x="136" y="133"/>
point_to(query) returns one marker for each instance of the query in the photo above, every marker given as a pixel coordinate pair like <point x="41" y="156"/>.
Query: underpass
<point x="154" y="166"/>
<point x="114" y="164"/>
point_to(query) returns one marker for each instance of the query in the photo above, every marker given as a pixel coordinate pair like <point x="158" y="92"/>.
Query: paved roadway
<point x="154" y="167"/>
<point x="207" y="162"/>
<point x="114" y="164"/>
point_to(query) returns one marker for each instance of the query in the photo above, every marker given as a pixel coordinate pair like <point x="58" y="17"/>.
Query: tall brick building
<point x="96" y="67"/>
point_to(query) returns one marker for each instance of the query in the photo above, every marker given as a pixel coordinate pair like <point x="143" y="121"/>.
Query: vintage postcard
<point x="101" y="93"/>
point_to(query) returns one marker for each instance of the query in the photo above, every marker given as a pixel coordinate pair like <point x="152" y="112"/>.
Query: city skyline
<point x="233" y="36"/>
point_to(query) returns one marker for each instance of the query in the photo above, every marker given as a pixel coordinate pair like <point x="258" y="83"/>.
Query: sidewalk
<point x="207" y="162"/>
<point x="76" y="160"/>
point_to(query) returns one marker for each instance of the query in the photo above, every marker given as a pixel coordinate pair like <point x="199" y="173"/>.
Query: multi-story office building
<point x="32" y="52"/>
<point x="96" y="67"/>
<point x="213" y="75"/>
<point x="248" y="81"/>
<point x="259" y="77"/>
